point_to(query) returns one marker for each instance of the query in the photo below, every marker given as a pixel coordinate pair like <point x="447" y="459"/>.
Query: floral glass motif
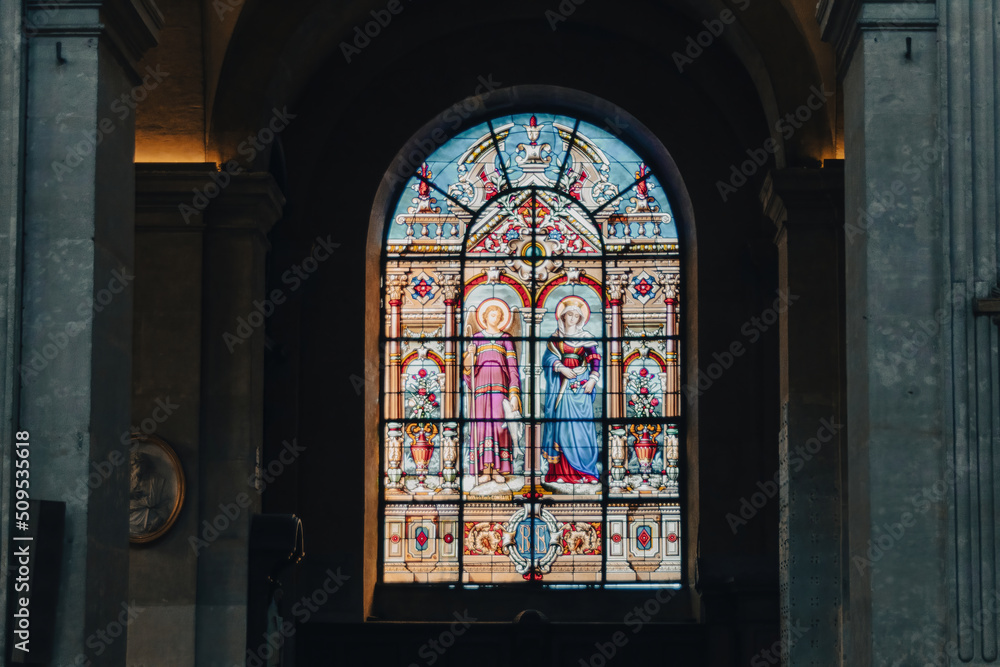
<point x="531" y="411"/>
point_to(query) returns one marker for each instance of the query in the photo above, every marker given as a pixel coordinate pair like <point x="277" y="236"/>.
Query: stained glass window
<point x="531" y="419"/>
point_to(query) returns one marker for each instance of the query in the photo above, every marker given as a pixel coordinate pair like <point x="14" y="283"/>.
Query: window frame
<point x="399" y="600"/>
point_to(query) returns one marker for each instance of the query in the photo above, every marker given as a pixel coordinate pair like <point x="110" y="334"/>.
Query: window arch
<point x="531" y="421"/>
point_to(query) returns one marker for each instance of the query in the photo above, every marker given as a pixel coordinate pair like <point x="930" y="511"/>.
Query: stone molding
<point x="130" y="27"/>
<point x="251" y="202"/>
<point x="788" y="193"/>
<point x="161" y="188"/>
<point x="842" y="22"/>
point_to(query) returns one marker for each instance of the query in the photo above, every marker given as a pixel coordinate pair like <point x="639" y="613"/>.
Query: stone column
<point x="76" y="321"/>
<point x="806" y="207"/>
<point x="616" y="283"/>
<point x="451" y="289"/>
<point x="672" y="387"/>
<point x="232" y="354"/>
<point x="395" y="283"/>
<point x="13" y="91"/>
<point x="166" y="371"/>
<point x="903" y="422"/>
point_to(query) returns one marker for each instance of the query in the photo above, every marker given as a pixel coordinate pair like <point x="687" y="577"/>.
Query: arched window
<point x="531" y="417"/>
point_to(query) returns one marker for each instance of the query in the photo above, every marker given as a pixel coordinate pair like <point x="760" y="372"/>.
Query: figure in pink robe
<point x="491" y="375"/>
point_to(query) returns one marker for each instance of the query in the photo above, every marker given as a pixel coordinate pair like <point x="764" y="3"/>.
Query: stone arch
<point x="519" y="99"/>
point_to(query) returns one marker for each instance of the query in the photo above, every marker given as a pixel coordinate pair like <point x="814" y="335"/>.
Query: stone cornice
<point x="191" y="196"/>
<point x="161" y="189"/>
<point x="251" y="202"/>
<point x="842" y="22"/>
<point x="812" y="197"/>
<point x="130" y="27"/>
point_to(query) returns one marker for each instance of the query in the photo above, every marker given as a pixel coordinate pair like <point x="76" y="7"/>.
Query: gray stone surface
<point x="167" y="329"/>
<point x="232" y="391"/>
<point x="805" y="205"/>
<point x="77" y="239"/>
<point x="12" y="121"/>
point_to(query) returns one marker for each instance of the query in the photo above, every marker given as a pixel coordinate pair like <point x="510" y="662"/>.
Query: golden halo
<point x="487" y="303"/>
<point x="574" y="301"/>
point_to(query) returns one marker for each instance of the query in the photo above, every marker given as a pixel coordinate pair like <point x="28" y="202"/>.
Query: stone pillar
<point x="76" y="321"/>
<point x="166" y="371"/>
<point x="395" y="283"/>
<point x="451" y="289"/>
<point x="616" y="284"/>
<point x="806" y="207"/>
<point x="672" y="387"/>
<point x="13" y="55"/>
<point x="232" y="362"/>
<point x="900" y="426"/>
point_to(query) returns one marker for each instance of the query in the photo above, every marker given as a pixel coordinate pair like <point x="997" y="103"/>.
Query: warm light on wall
<point x="158" y="148"/>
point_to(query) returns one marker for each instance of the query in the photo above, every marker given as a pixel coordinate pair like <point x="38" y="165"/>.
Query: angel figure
<point x="489" y="370"/>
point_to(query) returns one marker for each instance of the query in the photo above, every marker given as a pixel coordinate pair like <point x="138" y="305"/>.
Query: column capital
<point x="250" y="202"/>
<point x="451" y="285"/>
<point x="616" y="282"/>
<point x="804" y="196"/>
<point x="395" y="282"/>
<point x="164" y="194"/>
<point x="130" y="27"/>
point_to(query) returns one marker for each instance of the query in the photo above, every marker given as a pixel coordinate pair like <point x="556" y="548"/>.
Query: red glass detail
<point x="394" y="539"/>
<point x="422" y="288"/>
<point x="616" y="538"/>
<point x="421" y="449"/>
<point x="422" y="537"/>
<point x="534" y="210"/>
<point x="642" y="187"/>
<point x="448" y="538"/>
<point x="672" y="537"/>
<point x="644" y="537"/>
<point x="642" y="287"/>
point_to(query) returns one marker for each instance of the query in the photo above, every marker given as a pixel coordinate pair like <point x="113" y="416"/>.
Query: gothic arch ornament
<point x="493" y="229"/>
